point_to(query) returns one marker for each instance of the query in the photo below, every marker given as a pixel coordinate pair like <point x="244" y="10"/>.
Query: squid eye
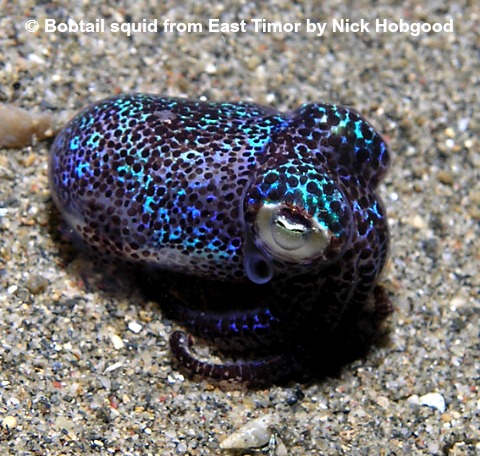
<point x="290" y="231"/>
<point x="290" y="235"/>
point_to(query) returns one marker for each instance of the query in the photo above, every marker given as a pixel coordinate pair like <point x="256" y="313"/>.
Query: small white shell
<point x="254" y="434"/>
<point x="257" y="434"/>
<point x="434" y="400"/>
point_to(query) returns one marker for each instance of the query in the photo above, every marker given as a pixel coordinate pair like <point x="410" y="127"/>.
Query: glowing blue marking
<point x="147" y="178"/>
<point x="126" y="168"/>
<point x="366" y="212"/>
<point x="193" y="213"/>
<point x="341" y="124"/>
<point x="209" y="121"/>
<point x="375" y="209"/>
<point x="358" y="127"/>
<point x="234" y="328"/>
<point x="93" y="141"/>
<point x="259" y="325"/>
<point x="82" y="169"/>
<point x="356" y="207"/>
<point x="256" y="142"/>
<point x="75" y="143"/>
<point x="147" y="204"/>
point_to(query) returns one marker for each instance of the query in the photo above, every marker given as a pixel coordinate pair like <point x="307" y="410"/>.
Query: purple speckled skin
<point x="282" y="205"/>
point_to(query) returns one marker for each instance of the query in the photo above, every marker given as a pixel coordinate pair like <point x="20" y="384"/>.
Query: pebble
<point x="253" y="62"/>
<point x="434" y="400"/>
<point x="383" y="402"/>
<point x="114" y="366"/>
<point x="181" y="448"/>
<point x="446" y="177"/>
<point x="413" y="401"/>
<point x="134" y="327"/>
<point x="36" y="283"/>
<point x="9" y="423"/>
<point x="117" y="341"/>
<point x="419" y="222"/>
<point x="19" y="127"/>
<point x="256" y="434"/>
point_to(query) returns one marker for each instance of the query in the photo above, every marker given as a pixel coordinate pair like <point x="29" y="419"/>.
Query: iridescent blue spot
<point x="74" y="143"/>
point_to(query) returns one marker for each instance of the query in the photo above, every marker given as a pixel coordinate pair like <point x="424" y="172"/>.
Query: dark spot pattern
<point x="174" y="184"/>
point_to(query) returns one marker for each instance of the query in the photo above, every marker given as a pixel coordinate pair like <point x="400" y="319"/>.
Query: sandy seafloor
<point x="85" y="366"/>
